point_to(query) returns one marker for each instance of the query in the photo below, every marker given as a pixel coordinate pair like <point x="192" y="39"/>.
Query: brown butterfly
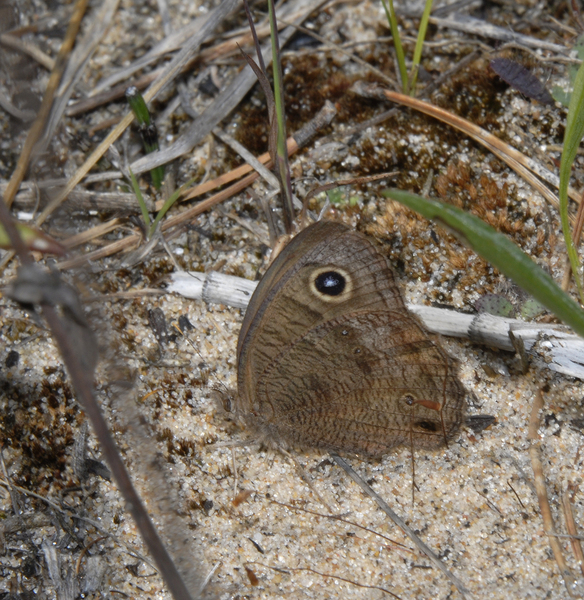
<point x="330" y="357"/>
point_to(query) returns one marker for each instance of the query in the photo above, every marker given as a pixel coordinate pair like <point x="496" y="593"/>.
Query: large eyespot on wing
<point x="331" y="284"/>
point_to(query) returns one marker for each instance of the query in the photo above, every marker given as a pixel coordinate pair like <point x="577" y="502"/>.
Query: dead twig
<point x="10" y="41"/>
<point x="572" y="528"/>
<point x="544" y="505"/>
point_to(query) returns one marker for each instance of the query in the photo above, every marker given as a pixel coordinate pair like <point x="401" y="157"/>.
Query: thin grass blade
<point x="419" y="45"/>
<point x="399" y="51"/>
<point x="147" y="129"/>
<point x="140" y="198"/>
<point x="572" y="139"/>
<point x="168" y="205"/>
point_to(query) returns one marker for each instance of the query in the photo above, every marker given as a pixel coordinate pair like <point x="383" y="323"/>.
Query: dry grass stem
<point x="572" y="528"/>
<point x="521" y="164"/>
<point x="39" y="123"/>
<point x="91" y="234"/>
<point x="542" y="497"/>
<point x="10" y="41"/>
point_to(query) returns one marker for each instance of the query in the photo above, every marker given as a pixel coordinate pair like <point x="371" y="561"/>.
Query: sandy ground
<point x="283" y="537"/>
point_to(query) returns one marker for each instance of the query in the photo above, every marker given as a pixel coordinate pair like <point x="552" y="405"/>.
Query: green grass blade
<point x="572" y="139"/>
<point x="147" y="130"/>
<point x="501" y="252"/>
<point x="140" y="198"/>
<point x="168" y="205"/>
<point x="150" y="140"/>
<point x="419" y="45"/>
<point x="399" y="51"/>
<point x="138" y="106"/>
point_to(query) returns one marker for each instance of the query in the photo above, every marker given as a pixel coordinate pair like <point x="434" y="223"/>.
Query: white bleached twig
<point x="552" y="346"/>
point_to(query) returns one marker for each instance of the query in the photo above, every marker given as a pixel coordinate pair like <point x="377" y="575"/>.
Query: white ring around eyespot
<point x="343" y="296"/>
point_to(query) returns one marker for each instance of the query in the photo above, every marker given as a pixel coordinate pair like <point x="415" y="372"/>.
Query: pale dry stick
<point x="572" y="528"/>
<point x="39" y="123"/>
<point x="551" y="346"/>
<point x="81" y="201"/>
<point x="482" y="28"/>
<point x="171" y="70"/>
<point x="90" y="234"/>
<point x="568" y="60"/>
<point x="544" y="506"/>
<point x="26" y="48"/>
<point x="7" y="106"/>
<point x="569" y="30"/>
<point x="489" y="49"/>
<point x="249" y="158"/>
<point x="400" y="523"/>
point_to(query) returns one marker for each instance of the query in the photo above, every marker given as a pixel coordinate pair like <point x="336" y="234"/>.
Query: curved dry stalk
<point x="521" y="164"/>
<point x="572" y="528"/>
<point x="251" y="575"/>
<point x="29" y="49"/>
<point x="544" y="505"/>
